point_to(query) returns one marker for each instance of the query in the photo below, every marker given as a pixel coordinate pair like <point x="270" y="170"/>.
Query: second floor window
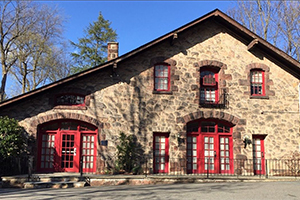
<point x="162" y="77"/>
<point x="209" y="87"/>
<point x="257" y="82"/>
<point x="70" y="100"/>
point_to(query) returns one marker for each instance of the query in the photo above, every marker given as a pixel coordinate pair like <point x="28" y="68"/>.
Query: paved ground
<point x="208" y="191"/>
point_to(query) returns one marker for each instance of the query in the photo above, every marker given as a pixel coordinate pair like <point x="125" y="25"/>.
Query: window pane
<point x="221" y="140"/>
<point x="205" y="153"/>
<point x="194" y="153"/>
<point x="194" y="166"/>
<point x="227" y="167"/>
<point x="194" y="139"/>
<point x="206" y="139"/>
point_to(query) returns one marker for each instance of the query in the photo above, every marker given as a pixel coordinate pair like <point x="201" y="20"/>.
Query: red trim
<point x="261" y="160"/>
<point x="156" y="86"/>
<point x="88" y="164"/>
<point x="157" y="153"/>
<point x="209" y="89"/>
<point x="254" y="88"/>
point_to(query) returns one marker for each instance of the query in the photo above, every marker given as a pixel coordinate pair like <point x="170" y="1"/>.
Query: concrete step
<point x="43" y="181"/>
<point x="63" y="184"/>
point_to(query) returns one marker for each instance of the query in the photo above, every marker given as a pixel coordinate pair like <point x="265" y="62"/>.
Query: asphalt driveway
<point x="207" y="191"/>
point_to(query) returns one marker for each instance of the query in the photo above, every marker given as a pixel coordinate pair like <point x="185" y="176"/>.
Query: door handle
<point x="262" y="154"/>
<point x="215" y="153"/>
<point x="75" y="151"/>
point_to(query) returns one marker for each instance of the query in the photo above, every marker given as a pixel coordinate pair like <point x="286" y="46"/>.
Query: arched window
<point x="162" y="77"/>
<point x="257" y="82"/>
<point x="209" y="93"/>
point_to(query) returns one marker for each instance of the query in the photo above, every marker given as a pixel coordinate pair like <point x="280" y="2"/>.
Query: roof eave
<point x="246" y="35"/>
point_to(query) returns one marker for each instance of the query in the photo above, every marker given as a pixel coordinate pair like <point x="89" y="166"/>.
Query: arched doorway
<point x="63" y="143"/>
<point x="209" y="146"/>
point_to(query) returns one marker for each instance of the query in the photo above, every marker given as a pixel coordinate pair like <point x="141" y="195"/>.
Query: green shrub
<point x="129" y="154"/>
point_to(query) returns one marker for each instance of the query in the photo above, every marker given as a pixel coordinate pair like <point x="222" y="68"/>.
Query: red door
<point x="63" y="143"/>
<point x="161" y="153"/>
<point x="69" y="152"/>
<point x="210" y="149"/>
<point x="193" y="154"/>
<point x="209" y="160"/>
<point x="258" y="155"/>
<point x="225" y="156"/>
<point x="47" y="153"/>
<point x="88" y="152"/>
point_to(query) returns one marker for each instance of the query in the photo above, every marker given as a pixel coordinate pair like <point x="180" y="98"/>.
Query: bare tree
<point x="40" y="51"/>
<point x="11" y="28"/>
<point x="278" y="22"/>
<point x="30" y="36"/>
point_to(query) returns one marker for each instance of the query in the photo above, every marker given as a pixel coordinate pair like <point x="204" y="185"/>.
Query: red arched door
<point x="209" y="147"/>
<point x="62" y="144"/>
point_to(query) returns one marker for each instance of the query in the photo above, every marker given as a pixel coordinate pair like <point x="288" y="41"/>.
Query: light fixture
<point x="246" y="140"/>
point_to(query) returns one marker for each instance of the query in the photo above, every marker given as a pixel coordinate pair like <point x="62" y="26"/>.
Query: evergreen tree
<point x="12" y="139"/>
<point x="92" y="48"/>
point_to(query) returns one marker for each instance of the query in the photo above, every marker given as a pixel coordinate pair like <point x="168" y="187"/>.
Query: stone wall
<point x="125" y="102"/>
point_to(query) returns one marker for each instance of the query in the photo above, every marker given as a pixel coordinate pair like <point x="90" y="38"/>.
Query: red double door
<point x="61" y="150"/>
<point x="209" y="153"/>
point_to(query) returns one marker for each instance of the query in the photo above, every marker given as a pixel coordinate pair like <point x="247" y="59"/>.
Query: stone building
<point x="198" y="94"/>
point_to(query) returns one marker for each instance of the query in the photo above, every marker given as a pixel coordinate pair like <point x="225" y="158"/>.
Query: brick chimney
<point x="112" y="50"/>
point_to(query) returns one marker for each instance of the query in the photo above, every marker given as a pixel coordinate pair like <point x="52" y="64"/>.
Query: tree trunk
<point x="24" y="78"/>
<point x="3" y="84"/>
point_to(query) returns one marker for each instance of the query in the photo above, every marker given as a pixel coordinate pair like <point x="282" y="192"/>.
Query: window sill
<point x="162" y="92"/>
<point x="65" y="107"/>
<point x="259" y="97"/>
<point x="210" y="105"/>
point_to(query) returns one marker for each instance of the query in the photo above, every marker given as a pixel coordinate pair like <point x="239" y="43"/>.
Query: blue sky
<point x="136" y="22"/>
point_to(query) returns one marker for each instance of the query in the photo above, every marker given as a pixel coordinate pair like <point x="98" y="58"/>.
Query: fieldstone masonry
<point x="127" y="103"/>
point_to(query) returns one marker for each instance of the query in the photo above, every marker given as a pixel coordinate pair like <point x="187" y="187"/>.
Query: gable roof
<point x="244" y="34"/>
